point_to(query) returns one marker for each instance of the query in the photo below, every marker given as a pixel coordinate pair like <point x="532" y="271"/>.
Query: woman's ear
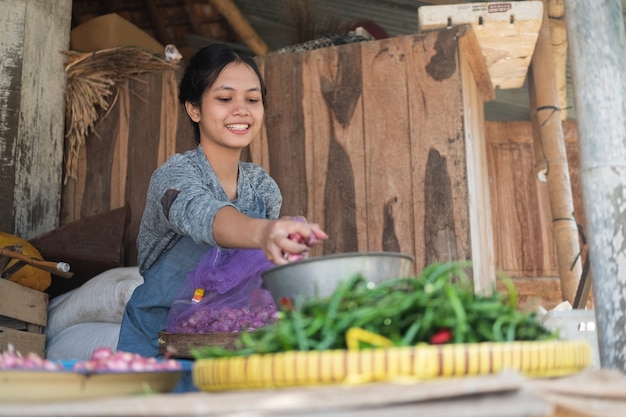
<point x="193" y="111"/>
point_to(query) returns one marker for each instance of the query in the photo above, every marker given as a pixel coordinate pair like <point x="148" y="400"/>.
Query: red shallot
<point x="10" y="359"/>
<point x="226" y="319"/>
<point x="102" y="360"/>
<point x="300" y="239"/>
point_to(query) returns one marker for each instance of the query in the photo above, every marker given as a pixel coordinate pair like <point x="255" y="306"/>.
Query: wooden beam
<point x="240" y="25"/>
<point x="507" y="34"/>
<point x="473" y="53"/>
<point x="196" y="24"/>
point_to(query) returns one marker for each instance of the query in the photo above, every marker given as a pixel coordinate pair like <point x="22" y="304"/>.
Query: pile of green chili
<point x="438" y="306"/>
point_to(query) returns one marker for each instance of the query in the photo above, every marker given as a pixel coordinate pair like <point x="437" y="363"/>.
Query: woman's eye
<point x="224" y="99"/>
<point x="254" y="100"/>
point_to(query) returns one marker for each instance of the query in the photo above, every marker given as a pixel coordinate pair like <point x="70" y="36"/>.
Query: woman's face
<point x="232" y="110"/>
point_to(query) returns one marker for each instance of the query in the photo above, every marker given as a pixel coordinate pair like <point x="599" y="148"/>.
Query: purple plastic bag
<point x="233" y="299"/>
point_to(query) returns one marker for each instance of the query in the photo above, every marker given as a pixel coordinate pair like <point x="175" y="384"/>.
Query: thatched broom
<point x="92" y="79"/>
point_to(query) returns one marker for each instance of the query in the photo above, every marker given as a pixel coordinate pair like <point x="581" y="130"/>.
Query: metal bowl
<point x="319" y="276"/>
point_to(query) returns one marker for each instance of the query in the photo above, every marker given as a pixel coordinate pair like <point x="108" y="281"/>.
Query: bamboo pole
<point x="541" y="166"/>
<point x="557" y="169"/>
<point x="597" y="56"/>
<point x="558" y="36"/>
<point x="240" y="24"/>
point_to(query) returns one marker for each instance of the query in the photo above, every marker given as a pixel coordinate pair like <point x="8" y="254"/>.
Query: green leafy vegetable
<point x="438" y="306"/>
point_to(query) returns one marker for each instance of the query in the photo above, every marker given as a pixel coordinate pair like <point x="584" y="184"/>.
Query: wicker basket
<point x="418" y="363"/>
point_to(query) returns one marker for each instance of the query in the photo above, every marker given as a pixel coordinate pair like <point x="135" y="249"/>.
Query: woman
<point x="208" y="197"/>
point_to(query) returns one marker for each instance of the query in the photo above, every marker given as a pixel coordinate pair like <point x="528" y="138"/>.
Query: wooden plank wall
<point x="144" y="127"/>
<point x="523" y="238"/>
<point x="368" y="140"/>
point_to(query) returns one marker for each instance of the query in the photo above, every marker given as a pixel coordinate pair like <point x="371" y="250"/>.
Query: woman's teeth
<point x="238" y="127"/>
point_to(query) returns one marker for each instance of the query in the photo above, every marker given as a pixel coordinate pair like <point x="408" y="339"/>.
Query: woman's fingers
<point x="290" y="238"/>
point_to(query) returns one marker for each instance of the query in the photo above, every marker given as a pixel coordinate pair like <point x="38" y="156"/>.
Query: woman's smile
<point x="238" y="128"/>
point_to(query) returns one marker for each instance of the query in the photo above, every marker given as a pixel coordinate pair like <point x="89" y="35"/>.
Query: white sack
<point x="78" y="342"/>
<point x="101" y="299"/>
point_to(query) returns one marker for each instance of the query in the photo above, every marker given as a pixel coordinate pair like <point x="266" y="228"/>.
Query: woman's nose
<point x="241" y="109"/>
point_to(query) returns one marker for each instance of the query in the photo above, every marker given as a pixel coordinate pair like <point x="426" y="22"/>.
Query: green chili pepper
<point x="408" y="311"/>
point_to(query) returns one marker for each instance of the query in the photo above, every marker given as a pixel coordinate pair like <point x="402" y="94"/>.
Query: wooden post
<point x="598" y="53"/>
<point x="553" y="145"/>
<point x="32" y="119"/>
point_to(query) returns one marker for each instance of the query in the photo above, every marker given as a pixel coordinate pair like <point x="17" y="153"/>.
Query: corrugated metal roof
<point x="270" y="18"/>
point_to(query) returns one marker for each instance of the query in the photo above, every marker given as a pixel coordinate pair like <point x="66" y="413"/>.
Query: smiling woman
<point x="207" y="197"/>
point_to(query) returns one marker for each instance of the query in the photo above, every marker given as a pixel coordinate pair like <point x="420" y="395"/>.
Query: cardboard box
<point x="111" y="31"/>
<point x="23" y="318"/>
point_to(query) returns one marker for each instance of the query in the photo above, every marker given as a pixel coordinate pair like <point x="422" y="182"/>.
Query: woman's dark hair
<point x="203" y="69"/>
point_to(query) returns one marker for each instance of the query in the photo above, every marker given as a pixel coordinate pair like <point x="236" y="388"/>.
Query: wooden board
<point x="506" y="31"/>
<point x="499" y="395"/>
<point x="23" y="303"/>
<point x="22" y="341"/>
<point x="23" y="318"/>
<point x="369" y="140"/>
<point x="535" y="292"/>
<point x="522" y="223"/>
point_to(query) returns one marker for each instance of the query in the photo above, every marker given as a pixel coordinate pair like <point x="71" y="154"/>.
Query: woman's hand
<point x="289" y="238"/>
<point x="282" y="240"/>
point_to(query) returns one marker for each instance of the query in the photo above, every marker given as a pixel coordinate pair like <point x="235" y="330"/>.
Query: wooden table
<point x="591" y="393"/>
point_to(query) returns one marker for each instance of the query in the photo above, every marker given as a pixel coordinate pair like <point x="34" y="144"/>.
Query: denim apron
<point x="146" y="313"/>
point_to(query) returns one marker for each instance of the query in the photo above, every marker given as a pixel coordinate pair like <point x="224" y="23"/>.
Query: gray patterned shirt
<point x="184" y="196"/>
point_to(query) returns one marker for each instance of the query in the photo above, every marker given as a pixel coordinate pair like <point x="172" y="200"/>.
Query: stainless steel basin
<point x="319" y="276"/>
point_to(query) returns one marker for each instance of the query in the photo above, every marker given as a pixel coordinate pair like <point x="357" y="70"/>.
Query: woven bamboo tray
<point x="423" y="362"/>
